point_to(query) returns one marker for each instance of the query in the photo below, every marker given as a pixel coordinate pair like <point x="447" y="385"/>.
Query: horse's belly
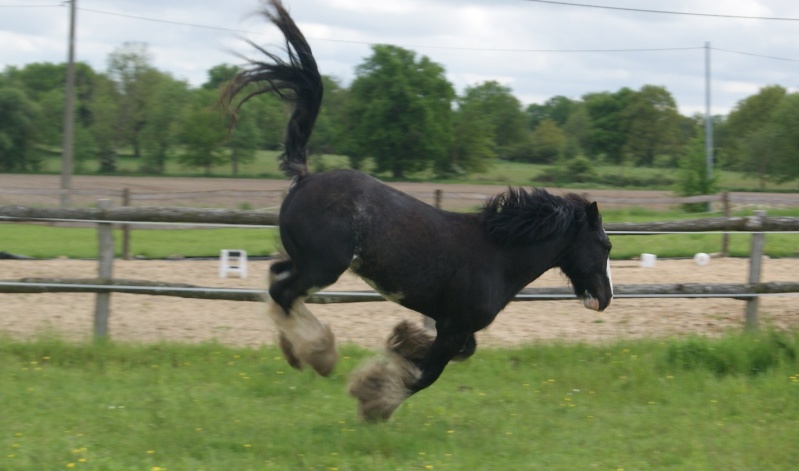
<point x="394" y="296"/>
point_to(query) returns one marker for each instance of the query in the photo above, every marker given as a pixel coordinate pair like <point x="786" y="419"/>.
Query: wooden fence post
<point x="126" y="227"/>
<point x="725" y="238"/>
<point x="105" y="257"/>
<point x="755" y="268"/>
<point x="438" y="195"/>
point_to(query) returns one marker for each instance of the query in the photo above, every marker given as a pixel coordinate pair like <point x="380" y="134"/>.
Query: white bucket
<point x="648" y="260"/>
<point x="701" y="259"/>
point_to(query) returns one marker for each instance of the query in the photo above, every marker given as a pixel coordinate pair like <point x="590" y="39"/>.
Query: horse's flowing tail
<point x="295" y="81"/>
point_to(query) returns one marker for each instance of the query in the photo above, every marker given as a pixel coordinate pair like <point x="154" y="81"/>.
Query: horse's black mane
<point x="519" y="217"/>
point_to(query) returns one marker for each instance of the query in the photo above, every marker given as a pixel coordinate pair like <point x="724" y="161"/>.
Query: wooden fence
<point x="723" y="202"/>
<point x="105" y="217"/>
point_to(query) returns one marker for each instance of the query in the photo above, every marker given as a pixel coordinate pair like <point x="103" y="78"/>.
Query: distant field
<point x="501" y="172"/>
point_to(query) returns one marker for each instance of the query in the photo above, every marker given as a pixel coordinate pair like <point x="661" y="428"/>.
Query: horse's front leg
<point x="445" y="348"/>
<point x="415" y="361"/>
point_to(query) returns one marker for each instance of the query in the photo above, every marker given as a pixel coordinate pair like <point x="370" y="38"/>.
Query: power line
<point x="756" y="55"/>
<point x="371" y="43"/>
<point x="665" y="12"/>
<point x="157" y="20"/>
<point x="461" y="48"/>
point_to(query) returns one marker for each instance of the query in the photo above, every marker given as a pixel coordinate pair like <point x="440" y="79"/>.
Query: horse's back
<point x="345" y="218"/>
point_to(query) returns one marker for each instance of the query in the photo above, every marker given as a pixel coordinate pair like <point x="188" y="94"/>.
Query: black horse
<point x="458" y="269"/>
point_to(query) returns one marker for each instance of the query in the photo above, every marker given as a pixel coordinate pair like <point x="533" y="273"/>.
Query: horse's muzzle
<point x="593" y="303"/>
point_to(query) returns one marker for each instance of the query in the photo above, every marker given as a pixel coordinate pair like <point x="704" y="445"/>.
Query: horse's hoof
<point x="321" y="353"/>
<point x="409" y="341"/>
<point x="288" y="352"/>
<point x="381" y="385"/>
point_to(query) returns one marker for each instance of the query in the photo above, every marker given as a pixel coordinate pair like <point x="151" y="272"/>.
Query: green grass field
<point x="691" y="404"/>
<point x="48" y="242"/>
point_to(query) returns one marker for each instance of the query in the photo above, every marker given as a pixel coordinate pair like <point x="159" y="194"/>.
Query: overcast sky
<point x="538" y="49"/>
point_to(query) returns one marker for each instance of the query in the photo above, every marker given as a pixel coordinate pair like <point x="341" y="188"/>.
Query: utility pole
<point x="69" y="113"/>
<point x="708" y="116"/>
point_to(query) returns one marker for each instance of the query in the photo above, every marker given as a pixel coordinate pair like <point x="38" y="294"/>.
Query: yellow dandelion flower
<point x="150" y="452"/>
<point x="70" y="465"/>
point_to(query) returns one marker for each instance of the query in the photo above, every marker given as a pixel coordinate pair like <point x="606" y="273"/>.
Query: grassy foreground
<point x="692" y="404"/>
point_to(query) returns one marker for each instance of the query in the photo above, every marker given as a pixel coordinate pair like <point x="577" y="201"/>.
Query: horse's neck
<point x="522" y="265"/>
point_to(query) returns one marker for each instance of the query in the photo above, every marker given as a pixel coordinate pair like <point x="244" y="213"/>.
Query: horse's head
<point x="587" y="262"/>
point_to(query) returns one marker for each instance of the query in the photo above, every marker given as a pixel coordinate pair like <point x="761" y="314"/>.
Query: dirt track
<point x="176" y="186"/>
<point x="151" y="318"/>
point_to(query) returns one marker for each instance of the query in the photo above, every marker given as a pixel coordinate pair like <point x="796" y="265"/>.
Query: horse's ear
<point x="593" y="215"/>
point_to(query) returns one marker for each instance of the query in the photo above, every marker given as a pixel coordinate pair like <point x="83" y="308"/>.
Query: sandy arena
<point x="141" y="318"/>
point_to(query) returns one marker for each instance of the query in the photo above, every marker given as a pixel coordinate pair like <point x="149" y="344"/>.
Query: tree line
<point x="400" y="112"/>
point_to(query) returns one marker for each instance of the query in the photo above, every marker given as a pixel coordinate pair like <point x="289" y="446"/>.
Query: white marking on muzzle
<point x="610" y="278"/>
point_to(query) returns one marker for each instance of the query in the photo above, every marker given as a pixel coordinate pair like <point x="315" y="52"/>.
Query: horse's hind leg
<point x="302" y="337"/>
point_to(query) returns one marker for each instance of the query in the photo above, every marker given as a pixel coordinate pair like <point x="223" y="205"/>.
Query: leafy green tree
<point x="18" y="115"/>
<point x="472" y="144"/>
<point x="50" y="124"/>
<point x="653" y="124"/>
<point x="786" y="118"/>
<point x="401" y="113"/>
<point x="163" y="121"/>
<point x="129" y="66"/>
<point x="219" y="75"/>
<point x="771" y="153"/>
<point x="331" y="122"/>
<point x="748" y="116"/>
<point x="558" y="108"/>
<point x="609" y="125"/>
<point x="270" y="117"/>
<point x="104" y="109"/>
<point x="693" y="177"/>
<point x="548" y="142"/>
<point x="244" y="140"/>
<point x="85" y="147"/>
<point x="43" y="83"/>
<point x="204" y="133"/>
<point x="576" y="130"/>
<point x="504" y="112"/>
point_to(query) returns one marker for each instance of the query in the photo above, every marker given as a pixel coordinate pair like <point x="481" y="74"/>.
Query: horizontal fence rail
<point x="240" y="217"/>
<point x="132" y="215"/>
<point x="740" y="291"/>
<point x="438" y="197"/>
